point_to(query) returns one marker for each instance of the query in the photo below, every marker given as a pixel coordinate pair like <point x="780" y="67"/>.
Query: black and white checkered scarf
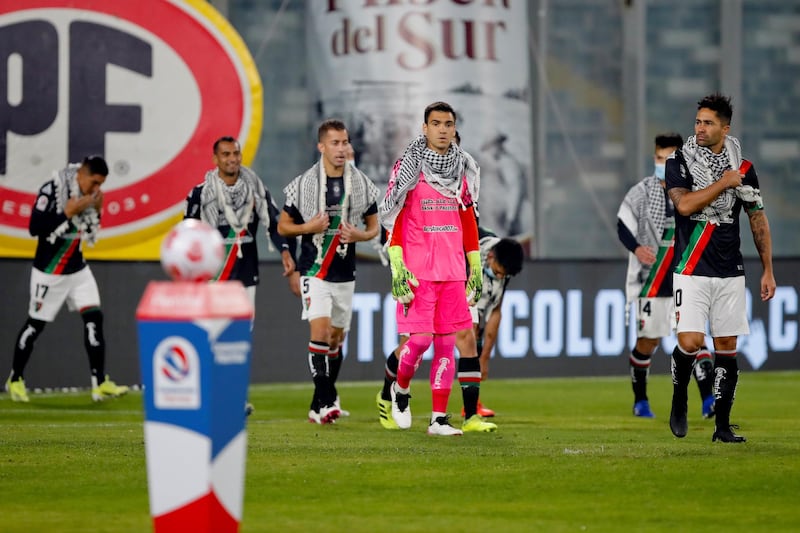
<point x="706" y="167"/>
<point x="444" y="172"/>
<point x="88" y="220"/>
<point x="307" y="193"/>
<point x="237" y="202"/>
<point x="644" y="211"/>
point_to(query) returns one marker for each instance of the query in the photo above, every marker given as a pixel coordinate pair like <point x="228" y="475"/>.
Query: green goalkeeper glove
<point x="402" y="278"/>
<point x="475" y="280"/>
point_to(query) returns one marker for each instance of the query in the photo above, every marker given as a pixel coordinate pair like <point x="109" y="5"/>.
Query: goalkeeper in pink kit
<point x="428" y="210"/>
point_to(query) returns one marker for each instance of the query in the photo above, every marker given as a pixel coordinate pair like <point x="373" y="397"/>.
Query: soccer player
<point x="428" y="208"/>
<point x="66" y="214"/>
<point x="233" y="199"/>
<point x="326" y="206"/>
<point x="646" y="227"/>
<point x="502" y="259"/>
<point x="709" y="183"/>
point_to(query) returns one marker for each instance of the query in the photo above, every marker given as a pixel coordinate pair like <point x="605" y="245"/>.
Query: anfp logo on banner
<point x="176" y="374"/>
<point x="150" y="85"/>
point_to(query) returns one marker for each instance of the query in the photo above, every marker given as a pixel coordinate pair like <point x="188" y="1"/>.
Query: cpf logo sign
<point x="148" y="84"/>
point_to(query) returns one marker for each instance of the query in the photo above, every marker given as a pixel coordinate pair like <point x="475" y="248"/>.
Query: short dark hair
<point x="225" y="139"/>
<point x="95" y="164"/>
<point x="509" y="254"/>
<point x="438" y="106"/>
<point x="669" y="140"/>
<point x="458" y="138"/>
<point x="330" y="124"/>
<point x="720" y="104"/>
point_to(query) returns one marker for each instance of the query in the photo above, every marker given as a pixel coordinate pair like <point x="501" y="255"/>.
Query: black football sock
<point x="318" y="365"/>
<point x="726" y="377"/>
<point x="682" y="364"/>
<point x="23" y="347"/>
<point x="390" y="375"/>
<point x="94" y="343"/>
<point x="334" y="366"/>
<point x="640" y="369"/>
<point x="704" y="373"/>
<point x="469" y="377"/>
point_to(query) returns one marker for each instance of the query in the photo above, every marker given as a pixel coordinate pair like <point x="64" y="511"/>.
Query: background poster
<point x="377" y="65"/>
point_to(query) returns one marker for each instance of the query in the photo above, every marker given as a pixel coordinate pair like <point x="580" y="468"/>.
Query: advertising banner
<point x="560" y="318"/>
<point x="149" y="85"/>
<point x="378" y="64"/>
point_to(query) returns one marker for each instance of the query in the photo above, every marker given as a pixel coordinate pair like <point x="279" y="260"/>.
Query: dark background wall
<point x="561" y="318"/>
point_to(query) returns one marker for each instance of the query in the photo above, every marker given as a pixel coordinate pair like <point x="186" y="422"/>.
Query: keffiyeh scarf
<point x="657" y="211"/>
<point x="307" y="192"/>
<point x="646" y="212"/>
<point x="237" y="202"/>
<point x="87" y="221"/>
<point x="444" y="172"/>
<point x="706" y="167"/>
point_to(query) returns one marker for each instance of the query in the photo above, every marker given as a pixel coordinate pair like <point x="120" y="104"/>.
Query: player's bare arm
<point x="687" y="202"/>
<point x="762" y="238"/>
<point x="288" y="263"/>
<point x="372" y="227"/>
<point x="676" y="194"/>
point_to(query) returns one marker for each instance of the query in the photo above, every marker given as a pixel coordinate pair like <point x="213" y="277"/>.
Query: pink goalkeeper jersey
<point x="432" y="236"/>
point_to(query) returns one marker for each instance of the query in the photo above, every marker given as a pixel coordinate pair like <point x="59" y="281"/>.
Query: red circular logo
<point x="155" y="167"/>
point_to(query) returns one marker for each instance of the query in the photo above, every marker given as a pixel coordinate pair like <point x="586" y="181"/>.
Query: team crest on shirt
<point x="677" y="317"/>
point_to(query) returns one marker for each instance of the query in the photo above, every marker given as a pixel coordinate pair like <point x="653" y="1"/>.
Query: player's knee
<point x="412" y="351"/>
<point x="418" y="344"/>
<point x="646" y="346"/>
<point x="443" y="345"/>
<point x="336" y="338"/>
<point x="691" y="343"/>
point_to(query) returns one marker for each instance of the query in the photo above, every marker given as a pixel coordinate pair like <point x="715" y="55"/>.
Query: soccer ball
<point x="192" y="251"/>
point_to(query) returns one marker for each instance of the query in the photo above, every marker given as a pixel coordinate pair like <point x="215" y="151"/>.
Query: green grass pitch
<point x="568" y="456"/>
